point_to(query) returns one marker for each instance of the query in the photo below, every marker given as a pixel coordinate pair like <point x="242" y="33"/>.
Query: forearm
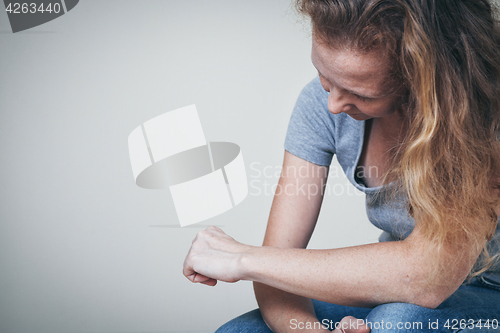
<point x="283" y="311"/>
<point x="364" y="276"/>
<point x="291" y="223"/>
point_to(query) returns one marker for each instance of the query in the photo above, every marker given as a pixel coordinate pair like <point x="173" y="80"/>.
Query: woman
<point x="410" y="89"/>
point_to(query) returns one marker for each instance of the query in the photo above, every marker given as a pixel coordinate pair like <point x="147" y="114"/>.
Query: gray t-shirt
<point x="315" y="135"/>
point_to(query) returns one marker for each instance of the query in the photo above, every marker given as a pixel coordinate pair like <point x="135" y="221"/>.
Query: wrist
<point x="247" y="263"/>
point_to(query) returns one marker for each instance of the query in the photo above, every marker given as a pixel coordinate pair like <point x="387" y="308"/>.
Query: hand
<point x="214" y="256"/>
<point x="350" y="324"/>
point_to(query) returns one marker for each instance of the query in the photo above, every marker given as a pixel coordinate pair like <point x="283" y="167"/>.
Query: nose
<point x="338" y="102"/>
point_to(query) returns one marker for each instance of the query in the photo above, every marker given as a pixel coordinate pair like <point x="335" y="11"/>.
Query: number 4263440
<point x="25" y="8"/>
<point x="471" y="323"/>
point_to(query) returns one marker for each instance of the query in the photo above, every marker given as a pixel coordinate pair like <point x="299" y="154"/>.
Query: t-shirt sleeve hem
<point x="318" y="158"/>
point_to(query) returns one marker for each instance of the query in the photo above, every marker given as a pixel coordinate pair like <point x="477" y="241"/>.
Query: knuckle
<point x="347" y="319"/>
<point x="200" y="235"/>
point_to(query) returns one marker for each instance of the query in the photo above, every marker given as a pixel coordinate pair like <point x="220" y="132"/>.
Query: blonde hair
<point x="446" y="55"/>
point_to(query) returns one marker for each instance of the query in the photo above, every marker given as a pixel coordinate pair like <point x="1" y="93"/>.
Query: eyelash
<point x="361" y="98"/>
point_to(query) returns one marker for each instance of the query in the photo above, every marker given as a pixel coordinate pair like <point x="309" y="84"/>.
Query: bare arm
<point x="291" y="222"/>
<point x="366" y="275"/>
<point x="404" y="271"/>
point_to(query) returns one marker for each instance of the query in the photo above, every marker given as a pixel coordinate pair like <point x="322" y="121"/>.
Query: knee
<point x="249" y="322"/>
<point x="399" y="317"/>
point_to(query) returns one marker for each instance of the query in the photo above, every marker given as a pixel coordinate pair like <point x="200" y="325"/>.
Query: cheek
<point x="378" y="109"/>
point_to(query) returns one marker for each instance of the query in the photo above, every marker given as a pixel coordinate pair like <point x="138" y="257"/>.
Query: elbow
<point x="430" y="300"/>
<point x="426" y="292"/>
<point x="431" y="296"/>
<point x="428" y="281"/>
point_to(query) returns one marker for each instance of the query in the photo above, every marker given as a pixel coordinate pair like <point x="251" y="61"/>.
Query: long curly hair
<point x="446" y="53"/>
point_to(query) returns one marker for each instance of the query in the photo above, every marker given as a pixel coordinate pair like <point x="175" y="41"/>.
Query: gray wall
<point x="82" y="248"/>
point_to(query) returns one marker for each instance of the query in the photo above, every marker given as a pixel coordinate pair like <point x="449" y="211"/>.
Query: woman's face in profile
<point x="359" y="84"/>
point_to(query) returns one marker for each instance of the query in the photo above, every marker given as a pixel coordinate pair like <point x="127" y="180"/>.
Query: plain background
<point x="82" y="248"/>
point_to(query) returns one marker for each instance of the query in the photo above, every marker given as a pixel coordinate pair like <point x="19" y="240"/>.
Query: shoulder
<point x="313" y="96"/>
<point x="311" y="129"/>
<point x="315" y="134"/>
<point x="314" y="87"/>
<point x="312" y="107"/>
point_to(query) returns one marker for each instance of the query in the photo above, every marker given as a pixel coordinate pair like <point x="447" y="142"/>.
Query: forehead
<point x="352" y="69"/>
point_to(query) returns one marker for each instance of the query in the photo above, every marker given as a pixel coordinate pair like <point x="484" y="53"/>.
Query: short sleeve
<point x="310" y="133"/>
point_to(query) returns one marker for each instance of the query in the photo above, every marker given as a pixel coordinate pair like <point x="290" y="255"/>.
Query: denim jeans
<point x="474" y="307"/>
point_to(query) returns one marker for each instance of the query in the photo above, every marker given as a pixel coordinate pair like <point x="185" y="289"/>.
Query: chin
<point x="359" y="117"/>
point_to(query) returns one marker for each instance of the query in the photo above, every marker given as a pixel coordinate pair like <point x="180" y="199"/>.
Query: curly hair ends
<point x="446" y="54"/>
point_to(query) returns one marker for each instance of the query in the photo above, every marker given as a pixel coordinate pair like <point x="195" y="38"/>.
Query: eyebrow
<point x="350" y="91"/>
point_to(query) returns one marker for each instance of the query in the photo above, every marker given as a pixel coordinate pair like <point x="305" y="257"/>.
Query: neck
<point x="391" y="128"/>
